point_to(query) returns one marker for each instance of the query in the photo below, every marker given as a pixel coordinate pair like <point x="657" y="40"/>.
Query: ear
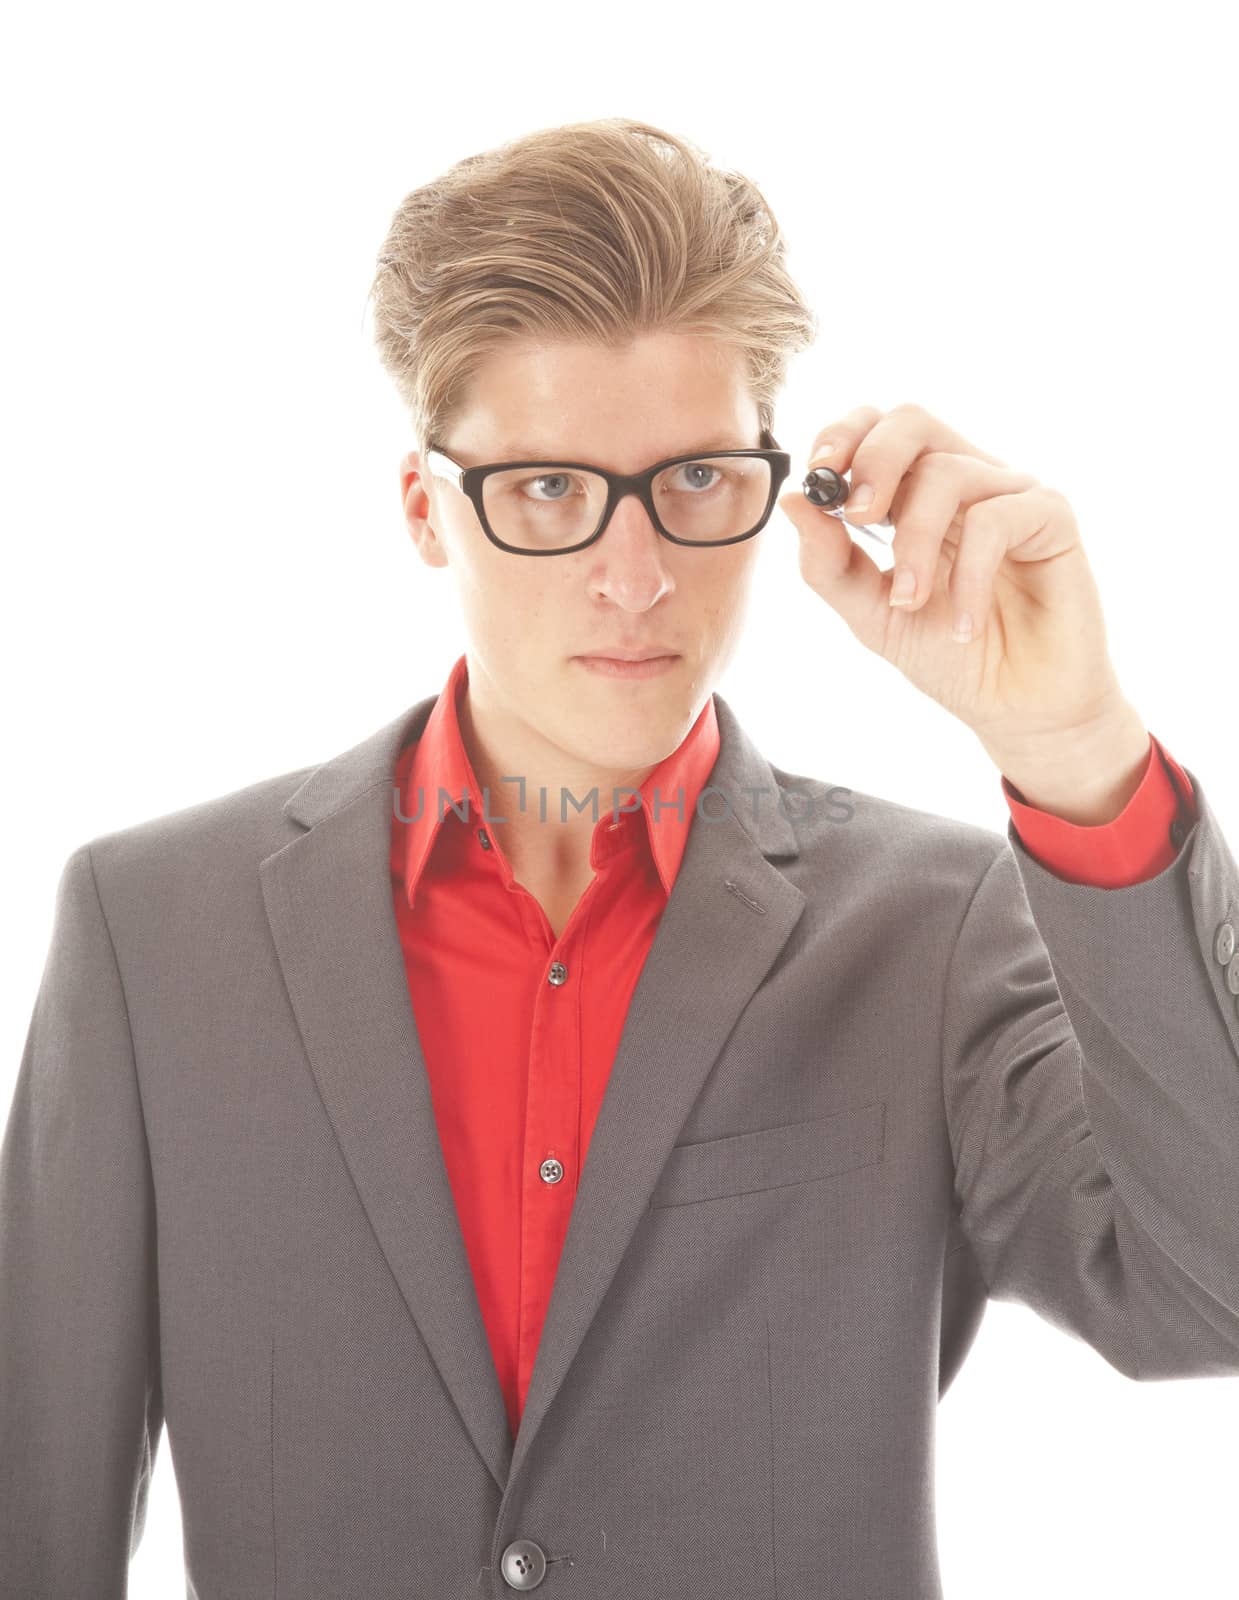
<point x="416" y="503"/>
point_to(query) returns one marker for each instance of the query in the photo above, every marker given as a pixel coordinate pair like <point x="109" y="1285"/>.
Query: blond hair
<point x="591" y="232"/>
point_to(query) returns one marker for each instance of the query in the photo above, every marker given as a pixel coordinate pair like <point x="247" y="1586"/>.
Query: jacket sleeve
<point x="81" y="1408"/>
<point x="1090" y="1060"/>
<point x="1142" y="840"/>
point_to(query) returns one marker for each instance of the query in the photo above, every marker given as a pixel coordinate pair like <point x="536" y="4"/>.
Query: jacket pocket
<point x="773" y="1158"/>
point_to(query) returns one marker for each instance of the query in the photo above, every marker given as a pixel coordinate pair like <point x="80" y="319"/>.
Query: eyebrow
<point x="519" y="452"/>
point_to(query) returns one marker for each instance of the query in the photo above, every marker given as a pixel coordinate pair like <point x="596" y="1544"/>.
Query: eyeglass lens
<point x="550" y="507"/>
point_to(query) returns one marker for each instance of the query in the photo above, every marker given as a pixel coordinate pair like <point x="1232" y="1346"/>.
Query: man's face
<point x="528" y="619"/>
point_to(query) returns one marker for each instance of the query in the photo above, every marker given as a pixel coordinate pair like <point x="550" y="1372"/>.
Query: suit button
<point x="1232" y="975"/>
<point x="1224" y="944"/>
<point x="523" y="1564"/>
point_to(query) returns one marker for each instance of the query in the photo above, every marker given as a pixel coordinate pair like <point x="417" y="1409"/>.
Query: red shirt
<point x="519" y="1029"/>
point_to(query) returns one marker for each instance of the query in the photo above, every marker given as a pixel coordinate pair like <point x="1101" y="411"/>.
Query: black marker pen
<point x="829" y="489"/>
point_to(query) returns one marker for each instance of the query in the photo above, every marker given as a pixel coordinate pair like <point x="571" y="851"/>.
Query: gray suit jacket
<point x="879" y="1065"/>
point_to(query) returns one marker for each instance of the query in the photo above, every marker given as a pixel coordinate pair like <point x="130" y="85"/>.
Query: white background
<point x="1019" y="217"/>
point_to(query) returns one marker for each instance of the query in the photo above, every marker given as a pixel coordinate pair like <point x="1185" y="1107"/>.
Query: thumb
<point x="835" y="566"/>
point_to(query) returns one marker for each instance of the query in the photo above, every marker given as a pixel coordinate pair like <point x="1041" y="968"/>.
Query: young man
<point x="547" y="1144"/>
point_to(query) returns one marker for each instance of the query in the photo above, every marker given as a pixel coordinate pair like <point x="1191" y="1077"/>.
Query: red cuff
<point x="1138" y="844"/>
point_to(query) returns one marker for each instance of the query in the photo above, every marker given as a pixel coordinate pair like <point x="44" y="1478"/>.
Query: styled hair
<point x="586" y="233"/>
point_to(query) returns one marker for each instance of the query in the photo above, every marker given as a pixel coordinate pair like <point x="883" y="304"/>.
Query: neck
<point x="573" y="795"/>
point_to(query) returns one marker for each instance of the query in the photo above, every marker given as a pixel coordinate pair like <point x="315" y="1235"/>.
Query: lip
<point x="626" y="666"/>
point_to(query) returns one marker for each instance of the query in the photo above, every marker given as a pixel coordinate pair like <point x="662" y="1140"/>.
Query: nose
<point x="630" y="566"/>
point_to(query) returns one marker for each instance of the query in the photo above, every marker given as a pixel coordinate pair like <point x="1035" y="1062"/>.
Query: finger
<point x="834" y="446"/>
<point x="836" y="567"/>
<point x="940" y="435"/>
<point x="992" y="528"/>
<point x="890" y="448"/>
<point x="934" y="493"/>
<point x="882" y="456"/>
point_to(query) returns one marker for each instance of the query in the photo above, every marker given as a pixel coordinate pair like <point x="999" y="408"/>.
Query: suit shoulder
<point x="866" y="826"/>
<point x="243" y="824"/>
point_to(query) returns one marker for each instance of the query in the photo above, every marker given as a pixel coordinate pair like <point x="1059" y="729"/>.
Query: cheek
<point x="520" y="614"/>
<point x="728" y="595"/>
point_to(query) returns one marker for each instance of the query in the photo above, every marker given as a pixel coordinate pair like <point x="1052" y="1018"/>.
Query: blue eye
<point x="549" y="477"/>
<point x="699" y="466"/>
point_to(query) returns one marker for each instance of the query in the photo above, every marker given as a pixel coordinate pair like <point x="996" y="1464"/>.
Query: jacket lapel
<point x="329" y="903"/>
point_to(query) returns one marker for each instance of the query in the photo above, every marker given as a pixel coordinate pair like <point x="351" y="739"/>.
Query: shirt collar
<point x="439" y="760"/>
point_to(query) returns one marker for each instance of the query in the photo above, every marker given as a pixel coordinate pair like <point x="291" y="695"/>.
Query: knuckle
<point x="867" y="467"/>
<point x="937" y="464"/>
<point x="837" y="432"/>
<point x="978" y="518"/>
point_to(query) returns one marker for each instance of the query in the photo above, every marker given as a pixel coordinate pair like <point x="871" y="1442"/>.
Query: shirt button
<point x="551" y="1171"/>
<point x="1224" y="943"/>
<point x="523" y="1564"/>
<point x="485" y="838"/>
<point x="558" y="973"/>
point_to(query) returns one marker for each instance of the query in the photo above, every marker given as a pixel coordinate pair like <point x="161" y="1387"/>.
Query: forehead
<point x="658" y="396"/>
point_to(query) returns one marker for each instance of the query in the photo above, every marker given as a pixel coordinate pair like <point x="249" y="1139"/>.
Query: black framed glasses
<point x="551" y="508"/>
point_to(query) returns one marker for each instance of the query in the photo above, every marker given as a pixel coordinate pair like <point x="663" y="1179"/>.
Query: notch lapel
<point x="328" y="900"/>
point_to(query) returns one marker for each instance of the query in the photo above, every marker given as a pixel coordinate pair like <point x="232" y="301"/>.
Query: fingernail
<point x="962" y="631"/>
<point x="823" y="456"/>
<point x="903" y="589"/>
<point x="860" y="497"/>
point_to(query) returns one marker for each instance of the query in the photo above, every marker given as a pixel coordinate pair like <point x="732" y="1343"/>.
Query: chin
<point x="634" y="736"/>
